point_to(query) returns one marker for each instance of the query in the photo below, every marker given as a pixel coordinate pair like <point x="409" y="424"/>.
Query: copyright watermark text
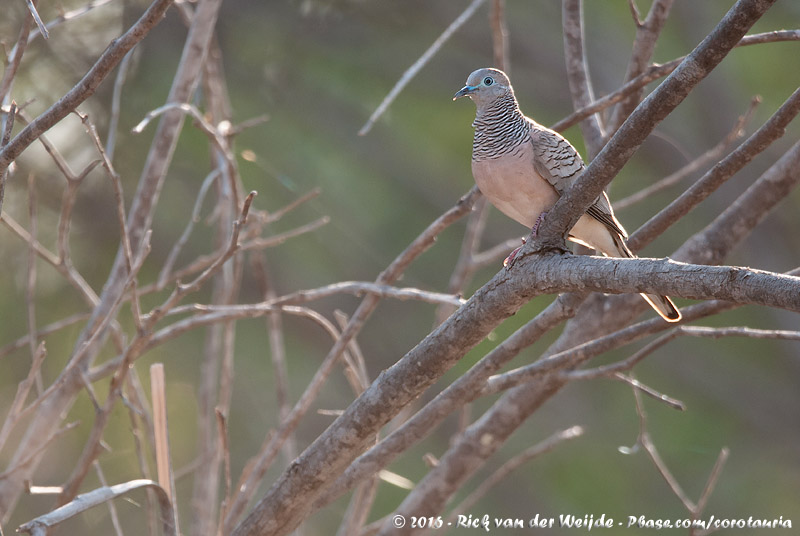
<point x="487" y="523"/>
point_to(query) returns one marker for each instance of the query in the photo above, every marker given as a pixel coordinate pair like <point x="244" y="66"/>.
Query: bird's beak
<point x="464" y="92"/>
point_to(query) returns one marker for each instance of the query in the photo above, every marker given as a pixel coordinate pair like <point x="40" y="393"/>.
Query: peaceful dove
<point x="523" y="168"/>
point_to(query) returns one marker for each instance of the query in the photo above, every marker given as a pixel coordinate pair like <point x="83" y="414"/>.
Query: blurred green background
<point x="318" y="69"/>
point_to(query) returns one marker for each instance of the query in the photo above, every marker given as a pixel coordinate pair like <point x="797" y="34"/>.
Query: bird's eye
<point x="488" y="81"/>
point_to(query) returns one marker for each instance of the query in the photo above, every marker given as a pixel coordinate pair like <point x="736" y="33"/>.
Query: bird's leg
<point x="539" y="220"/>
<point x="509" y="262"/>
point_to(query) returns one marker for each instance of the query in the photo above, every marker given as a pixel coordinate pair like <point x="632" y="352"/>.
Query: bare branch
<point x="704" y="159"/>
<point x="165" y="275"/>
<point x="274" y="323"/>
<point x="703" y="59"/>
<point x="290" y="501"/>
<point x="23" y="389"/>
<point x="118" y="192"/>
<point x="466" y="263"/>
<point x="497" y="21"/>
<point x="495" y="254"/>
<point x="463" y="390"/>
<point x="30" y="287"/>
<point x="711" y="483"/>
<point x="97" y="497"/>
<point x="28" y="458"/>
<point x="419" y="64"/>
<point x="580" y="84"/>
<point x="88" y="84"/>
<point x="35" y="15"/>
<point x="116" y="100"/>
<point x="69" y="15"/>
<point x="359" y="288"/>
<point x="649" y="391"/>
<point x="551" y="272"/>
<point x="770" y="131"/>
<point x="278" y="239"/>
<point x="647" y="32"/>
<point x="627" y="364"/>
<point x="646" y="441"/>
<point x="47" y="330"/>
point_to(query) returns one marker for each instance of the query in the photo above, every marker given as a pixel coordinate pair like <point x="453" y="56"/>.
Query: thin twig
<point x="23" y="389"/>
<point x="116" y="182"/>
<point x="494" y="254"/>
<point x="355" y="364"/>
<point x="365" y="288"/>
<point x="497" y="21"/>
<point x="770" y="131"/>
<point x="652" y="393"/>
<point x="97" y="497"/>
<point x="204" y="261"/>
<point x="43" y="332"/>
<point x="30" y="287"/>
<point x="30" y="456"/>
<point x="37" y="18"/>
<point x="68" y="16"/>
<point x="281" y="212"/>
<point x="72" y="276"/>
<point x="419" y="64"/>
<point x="116" y="99"/>
<point x="627" y="364"/>
<point x="509" y="467"/>
<point x="465" y="265"/>
<point x="647" y="33"/>
<point x="112" y="508"/>
<point x="711" y="483"/>
<point x="647" y="443"/>
<point x="166" y="270"/>
<point x="274" y="324"/>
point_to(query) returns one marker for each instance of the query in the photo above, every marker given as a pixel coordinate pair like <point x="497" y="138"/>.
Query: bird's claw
<point x="509" y="262"/>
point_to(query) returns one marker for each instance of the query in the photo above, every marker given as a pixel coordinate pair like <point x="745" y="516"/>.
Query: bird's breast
<point x="511" y="184"/>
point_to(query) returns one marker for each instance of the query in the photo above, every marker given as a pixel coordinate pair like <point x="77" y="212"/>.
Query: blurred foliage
<point x="318" y="69"/>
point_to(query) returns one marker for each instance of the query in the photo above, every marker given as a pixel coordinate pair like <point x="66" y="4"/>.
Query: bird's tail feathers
<point x="661" y="304"/>
<point x="664" y="307"/>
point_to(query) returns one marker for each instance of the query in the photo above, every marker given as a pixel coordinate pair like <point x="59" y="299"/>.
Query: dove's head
<point x="485" y="86"/>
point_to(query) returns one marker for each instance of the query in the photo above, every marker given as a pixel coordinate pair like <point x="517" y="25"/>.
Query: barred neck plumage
<point x="499" y="128"/>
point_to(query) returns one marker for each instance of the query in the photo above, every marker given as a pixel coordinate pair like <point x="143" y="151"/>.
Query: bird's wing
<point x="557" y="161"/>
<point x="554" y="158"/>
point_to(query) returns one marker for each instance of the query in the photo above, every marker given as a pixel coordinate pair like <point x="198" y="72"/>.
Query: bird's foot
<point x="509" y="262"/>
